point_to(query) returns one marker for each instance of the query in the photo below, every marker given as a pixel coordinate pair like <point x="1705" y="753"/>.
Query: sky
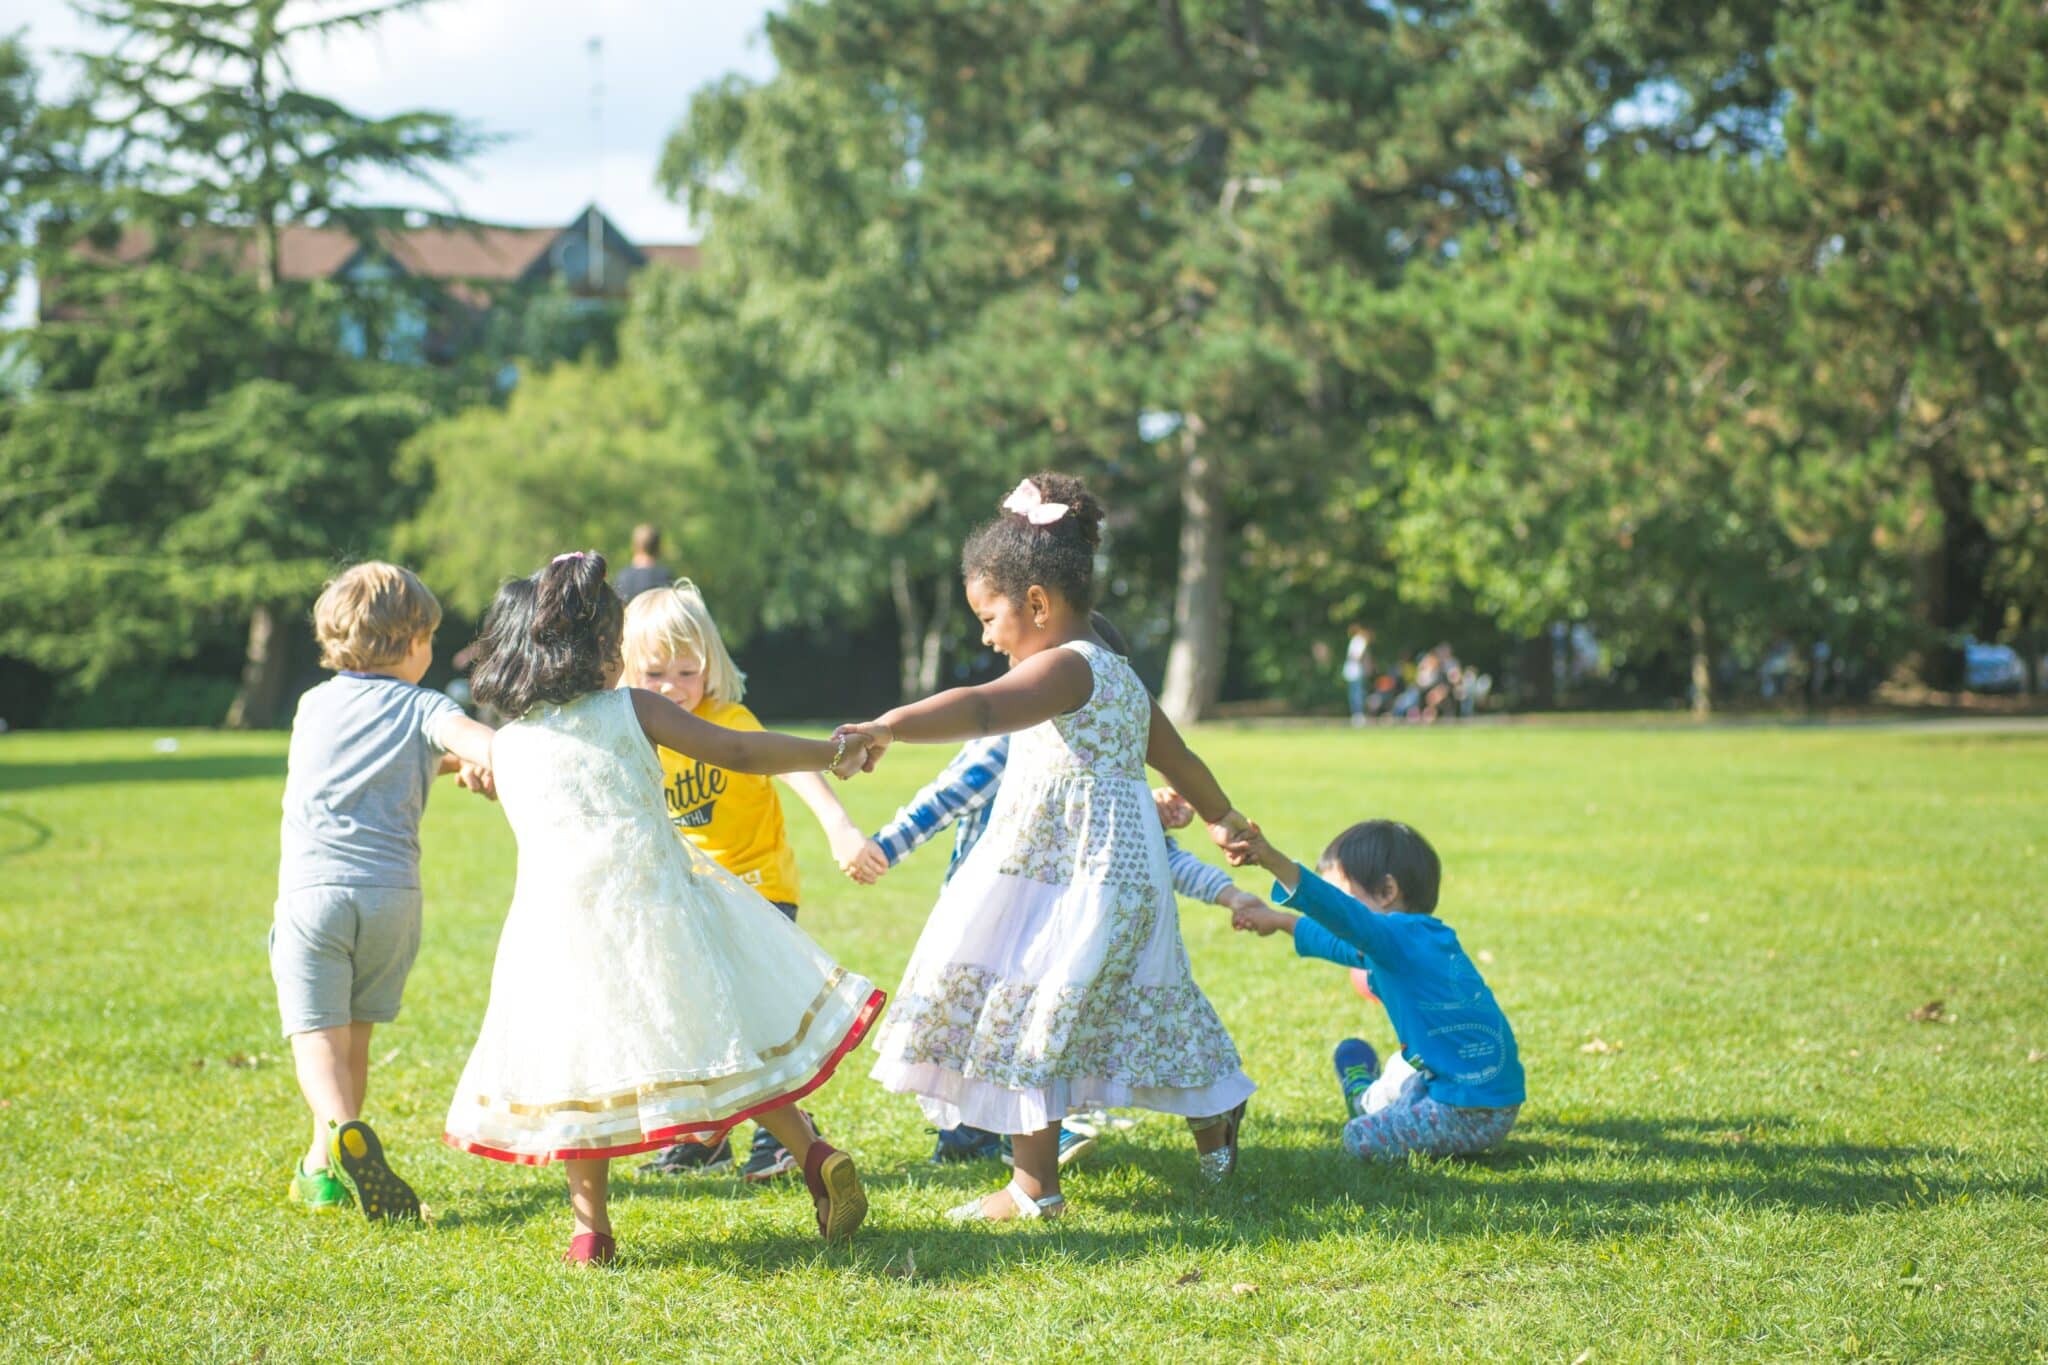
<point x="522" y="69"/>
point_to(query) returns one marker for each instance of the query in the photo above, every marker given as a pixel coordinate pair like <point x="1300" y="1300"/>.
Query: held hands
<point x="846" y="840"/>
<point x="854" y="755"/>
<point x="867" y="864"/>
<point x="1260" y="918"/>
<point x="1175" y="810"/>
<point x="1237" y="836"/>
<point x="472" y="778"/>
<point x="873" y="736"/>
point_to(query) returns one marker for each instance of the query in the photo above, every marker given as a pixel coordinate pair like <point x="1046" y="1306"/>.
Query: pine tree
<point x="201" y="442"/>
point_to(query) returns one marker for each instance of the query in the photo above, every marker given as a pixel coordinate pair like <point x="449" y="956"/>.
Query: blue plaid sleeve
<point x="968" y="783"/>
<point x="1193" y="878"/>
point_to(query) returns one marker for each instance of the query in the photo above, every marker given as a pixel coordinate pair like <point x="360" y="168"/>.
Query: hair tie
<point x="1027" y="502"/>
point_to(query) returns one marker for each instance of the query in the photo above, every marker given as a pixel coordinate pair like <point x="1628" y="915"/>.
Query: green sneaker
<point x="318" y="1190"/>
<point x="379" y="1190"/>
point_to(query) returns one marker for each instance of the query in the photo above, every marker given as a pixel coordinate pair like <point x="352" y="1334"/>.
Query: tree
<point x="197" y="427"/>
<point x="577" y="455"/>
<point x="1915" y="144"/>
<point x="1173" y="221"/>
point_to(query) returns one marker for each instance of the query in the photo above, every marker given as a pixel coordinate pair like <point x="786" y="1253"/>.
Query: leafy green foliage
<point x="573" y="459"/>
<point x="199" y="449"/>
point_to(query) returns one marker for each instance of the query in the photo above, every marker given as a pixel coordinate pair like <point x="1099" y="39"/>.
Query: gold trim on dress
<point x="643" y="1093"/>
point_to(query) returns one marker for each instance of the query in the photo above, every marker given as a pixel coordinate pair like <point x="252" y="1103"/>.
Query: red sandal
<point x="835" y="1189"/>
<point x="591" y="1248"/>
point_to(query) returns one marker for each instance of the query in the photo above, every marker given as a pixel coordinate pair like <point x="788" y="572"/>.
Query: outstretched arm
<point x="1167" y="752"/>
<point x="1050" y="683"/>
<point x="742" y="751"/>
<point x="841" y="833"/>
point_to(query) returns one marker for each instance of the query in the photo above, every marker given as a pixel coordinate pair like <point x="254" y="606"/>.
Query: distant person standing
<point x="646" y="571"/>
<point x="1357" y="670"/>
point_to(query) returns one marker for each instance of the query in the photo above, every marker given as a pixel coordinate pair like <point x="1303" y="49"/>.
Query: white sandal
<point x="1022" y="1206"/>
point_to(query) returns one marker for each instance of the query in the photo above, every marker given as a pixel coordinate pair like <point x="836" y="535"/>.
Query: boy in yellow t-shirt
<point x="673" y="647"/>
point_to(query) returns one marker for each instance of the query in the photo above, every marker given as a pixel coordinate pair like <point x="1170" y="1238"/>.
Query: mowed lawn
<point x="1737" y="1144"/>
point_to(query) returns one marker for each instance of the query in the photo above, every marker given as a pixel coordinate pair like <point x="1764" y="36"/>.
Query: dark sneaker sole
<point x="783" y="1164"/>
<point x="845" y="1204"/>
<point x="382" y="1195"/>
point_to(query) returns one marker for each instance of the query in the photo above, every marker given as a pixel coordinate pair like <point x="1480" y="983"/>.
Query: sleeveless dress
<point x="1051" y="977"/>
<point x="642" y="994"/>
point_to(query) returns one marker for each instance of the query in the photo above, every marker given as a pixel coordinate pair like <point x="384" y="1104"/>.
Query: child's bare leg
<point x="589" y="1193"/>
<point x="790" y="1128"/>
<point x="1037" y="1163"/>
<point x="321" y="1057"/>
<point x="359" y="1064"/>
<point x="1213" y="1137"/>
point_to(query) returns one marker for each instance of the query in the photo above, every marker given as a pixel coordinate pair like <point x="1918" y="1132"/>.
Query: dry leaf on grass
<point x="2036" y="1055"/>
<point x="1599" y="1047"/>
<point x="1192" y="1277"/>
<point x="1243" y="1289"/>
<point x="1485" y="958"/>
<point x="1931" y="1013"/>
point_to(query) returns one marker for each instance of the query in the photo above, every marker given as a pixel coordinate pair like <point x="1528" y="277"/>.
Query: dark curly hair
<point x="1010" y="554"/>
<point x="549" y="638"/>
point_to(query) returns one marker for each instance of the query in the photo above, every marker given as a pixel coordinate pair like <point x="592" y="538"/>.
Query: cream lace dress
<point x="642" y="994"/>
<point x="1051" y="976"/>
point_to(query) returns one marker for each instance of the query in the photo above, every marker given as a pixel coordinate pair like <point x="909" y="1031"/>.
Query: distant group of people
<point x="1433" y="686"/>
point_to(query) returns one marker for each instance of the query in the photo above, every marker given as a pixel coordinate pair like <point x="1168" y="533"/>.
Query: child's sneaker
<point x="318" y="1190"/>
<point x="379" y="1191"/>
<point x="966" y="1143"/>
<point x="767" y="1159"/>
<point x="1358" y="1066"/>
<point x="690" y="1158"/>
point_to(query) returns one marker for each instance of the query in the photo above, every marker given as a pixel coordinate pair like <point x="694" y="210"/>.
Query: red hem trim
<point x="697" y="1132"/>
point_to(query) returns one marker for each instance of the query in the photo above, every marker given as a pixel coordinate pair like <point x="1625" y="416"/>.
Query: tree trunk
<point x="1194" y="665"/>
<point x="935" y="628"/>
<point x="909" y="629"/>
<point x="256" y="702"/>
<point x="1702" y="669"/>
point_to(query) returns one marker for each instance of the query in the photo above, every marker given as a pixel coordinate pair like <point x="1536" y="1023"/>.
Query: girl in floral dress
<point x="1051" y="977"/>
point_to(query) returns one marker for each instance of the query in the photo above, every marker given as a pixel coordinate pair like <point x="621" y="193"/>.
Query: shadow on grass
<point x="20" y="834"/>
<point x="17" y="777"/>
<point x="1575" y="1179"/>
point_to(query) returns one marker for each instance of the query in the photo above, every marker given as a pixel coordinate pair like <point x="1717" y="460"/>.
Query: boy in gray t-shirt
<point x="366" y="744"/>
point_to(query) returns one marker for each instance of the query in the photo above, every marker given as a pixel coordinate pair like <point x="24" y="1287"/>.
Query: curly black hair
<point x="1010" y="554"/>
<point x="549" y="638"/>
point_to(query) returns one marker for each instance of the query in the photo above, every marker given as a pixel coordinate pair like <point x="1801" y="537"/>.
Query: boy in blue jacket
<point x="1454" y="1085"/>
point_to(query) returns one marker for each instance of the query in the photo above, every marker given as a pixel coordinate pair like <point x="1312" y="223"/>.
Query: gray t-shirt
<point x="364" y="751"/>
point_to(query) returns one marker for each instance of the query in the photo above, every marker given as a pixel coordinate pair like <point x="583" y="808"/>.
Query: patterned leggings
<point x="1401" y="1119"/>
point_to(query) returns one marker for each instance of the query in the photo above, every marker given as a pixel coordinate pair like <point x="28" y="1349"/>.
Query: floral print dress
<point x="1051" y="977"/>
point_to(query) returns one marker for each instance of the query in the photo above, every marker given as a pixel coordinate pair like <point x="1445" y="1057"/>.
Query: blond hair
<point x="668" y="623"/>
<point x="369" y="616"/>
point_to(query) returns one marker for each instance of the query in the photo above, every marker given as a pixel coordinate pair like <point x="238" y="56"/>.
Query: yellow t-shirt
<point x="734" y="817"/>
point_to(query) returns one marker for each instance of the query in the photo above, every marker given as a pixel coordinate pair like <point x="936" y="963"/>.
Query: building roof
<point x="479" y="253"/>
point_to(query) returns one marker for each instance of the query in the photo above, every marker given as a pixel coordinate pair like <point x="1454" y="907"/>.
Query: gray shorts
<point x="340" y="954"/>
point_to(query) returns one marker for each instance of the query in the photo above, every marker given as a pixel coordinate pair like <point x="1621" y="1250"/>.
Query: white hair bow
<point x="1027" y="502"/>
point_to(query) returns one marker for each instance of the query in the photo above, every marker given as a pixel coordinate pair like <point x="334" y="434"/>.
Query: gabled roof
<point x="482" y="253"/>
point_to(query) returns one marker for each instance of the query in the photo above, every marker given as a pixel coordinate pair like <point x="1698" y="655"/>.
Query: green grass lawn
<point x="1737" y="1143"/>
